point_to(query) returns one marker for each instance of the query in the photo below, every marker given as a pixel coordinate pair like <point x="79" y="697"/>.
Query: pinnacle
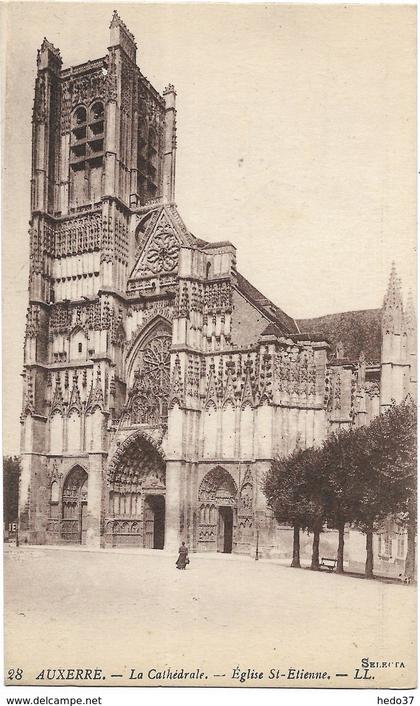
<point x="393" y="297"/>
<point x="116" y="21"/>
<point x="48" y="45"/>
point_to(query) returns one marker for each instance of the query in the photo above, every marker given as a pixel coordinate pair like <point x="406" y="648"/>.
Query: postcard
<point x="209" y="345"/>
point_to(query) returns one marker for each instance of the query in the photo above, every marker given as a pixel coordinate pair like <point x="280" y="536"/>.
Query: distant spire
<point x="393" y="310"/>
<point x="393" y="296"/>
<point x="410" y="314"/>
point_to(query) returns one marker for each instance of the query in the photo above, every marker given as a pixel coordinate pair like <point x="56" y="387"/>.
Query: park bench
<point x="328" y="564"/>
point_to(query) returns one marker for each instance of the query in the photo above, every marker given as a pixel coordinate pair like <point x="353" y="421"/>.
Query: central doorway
<point x="225" y="530"/>
<point x="154" y="521"/>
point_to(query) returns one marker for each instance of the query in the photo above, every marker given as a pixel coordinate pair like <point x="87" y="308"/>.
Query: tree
<point x="295" y="492"/>
<point x="342" y="458"/>
<point x="284" y="488"/>
<point x="11" y="473"/>
<point x="393" y="449"/>
<point x="386" y="472"/>
<point x="315" y="489"/>
<point x="360" y="476"/>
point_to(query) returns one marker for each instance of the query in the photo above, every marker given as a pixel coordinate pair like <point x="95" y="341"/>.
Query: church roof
<point x="266" y="306"/>
<point x="357" y="330"/>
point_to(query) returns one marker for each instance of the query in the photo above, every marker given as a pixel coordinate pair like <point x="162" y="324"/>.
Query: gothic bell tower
<point x="398" y="351"/>
<point x="103" y="149"/>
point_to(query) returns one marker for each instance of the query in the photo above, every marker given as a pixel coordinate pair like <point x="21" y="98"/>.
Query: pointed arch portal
<point x="137" y="492"/>
<point x="74" y="506"/>
<point x="217" y="499"/>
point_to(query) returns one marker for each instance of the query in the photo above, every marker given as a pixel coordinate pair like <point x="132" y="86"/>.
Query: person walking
<point x="183" y="559"/>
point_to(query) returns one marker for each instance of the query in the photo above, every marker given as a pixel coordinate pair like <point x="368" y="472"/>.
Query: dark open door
<point x="154" y="521"/>
<point x="148" y="523"/>
<point x="159" y="528"/>
<point x="225" y="530"/>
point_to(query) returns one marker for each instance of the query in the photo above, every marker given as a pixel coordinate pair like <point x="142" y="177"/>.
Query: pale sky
<point x="296" y="141"/>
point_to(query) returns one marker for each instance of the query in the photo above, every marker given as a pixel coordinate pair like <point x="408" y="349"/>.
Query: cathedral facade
<point x="158" y="382"/>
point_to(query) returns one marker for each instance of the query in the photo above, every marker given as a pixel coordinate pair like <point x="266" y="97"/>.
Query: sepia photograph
<point x="209" y="345"/>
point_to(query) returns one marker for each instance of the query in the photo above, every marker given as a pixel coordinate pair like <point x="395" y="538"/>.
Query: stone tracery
<point x="148" y="398"/>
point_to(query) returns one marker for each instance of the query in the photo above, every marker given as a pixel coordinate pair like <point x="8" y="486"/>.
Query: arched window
<point x="208" y="270"/>
<point x="97" y="111"/>
<point x="149" y="380"/>
<point x="141" y="156"/>
<point x="95" y="150"/>
<point x="79" y="116"/>
<point x="152" y="158"/>
<point x="86" y="154"/>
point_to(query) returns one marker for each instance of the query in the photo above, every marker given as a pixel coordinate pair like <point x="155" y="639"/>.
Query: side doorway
<point x="74" y="506"/>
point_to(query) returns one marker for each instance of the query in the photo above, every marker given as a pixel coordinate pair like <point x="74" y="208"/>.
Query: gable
<point x="159" y="235"/>
<point x="158" y="249"/>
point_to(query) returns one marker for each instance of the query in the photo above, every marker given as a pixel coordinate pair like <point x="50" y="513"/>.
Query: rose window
<point x="163" y="253"/>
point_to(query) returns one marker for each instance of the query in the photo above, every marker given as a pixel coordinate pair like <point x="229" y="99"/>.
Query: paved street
<point x="124" y="610"/>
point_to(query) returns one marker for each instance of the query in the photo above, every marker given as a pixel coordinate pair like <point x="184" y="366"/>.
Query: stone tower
<point x="398" y="345"/>
<point x="104" y="145"/>
<point x="158" y="382"/>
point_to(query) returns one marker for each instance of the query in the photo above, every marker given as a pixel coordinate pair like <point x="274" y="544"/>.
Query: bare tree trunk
<point x="315" y="550"/>
<point x="410" y="561"/>
<point x="296" y="547"/>
<point x="369" y="555"/>
<point x="340" y="549"/>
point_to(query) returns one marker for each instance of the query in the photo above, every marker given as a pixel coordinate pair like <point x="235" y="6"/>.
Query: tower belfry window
<point x="86" y="153"/>
<point x="80" y="115"/>
<point x="141" y="156"/>
<point x="97" y="111"/>
<point x="152" y="161"/>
